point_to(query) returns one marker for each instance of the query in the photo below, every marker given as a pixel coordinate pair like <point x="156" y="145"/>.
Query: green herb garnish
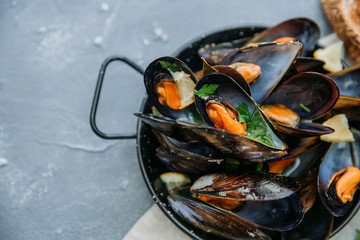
<point x="207" y="90"/>
<point x="256" y="127"/>
<point x="304" y="107"/>
<point x="357" y="234"/>
<point x="171" y="67"/>
<point x="231" y="164"/>
<point x="244" y="112"/>
<point x="259" y="167"/>
<point x="155" y="112"/>
<point x="241" y="119"/>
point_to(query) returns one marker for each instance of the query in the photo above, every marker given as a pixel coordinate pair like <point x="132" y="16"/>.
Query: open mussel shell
<point x="302" y="29"/>
<point x="211" y="220"/>
<point x="308" y="189"/>
<point x="309" y="64"/>
<point x="155" y="73"/>
<point x="215" y="53"/>
<point x="316" y="224"/>
<point x="315" y="91"/>
<point x="246" y="186"/>
<point x="311" y="95"/>
<point x="230" y="143"/>
<point x="192" y="158"/>
<point x="234" y="145"/>
<point x="309" y="161"/>
<point x="350" y="106"/>
<point x="169" y="127"/>
<point x="279" y="215"/>
<point x="233" y="94"/>
<point x="280" y="208"/>
<point x="191" y="166"/>
<point x="340" y="156"/>
<point x="348" y="81"/>
<point x="232" y="73"/>
<point x="274" y="59"/>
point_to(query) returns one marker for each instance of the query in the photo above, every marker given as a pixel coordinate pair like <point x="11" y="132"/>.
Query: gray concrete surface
<point x="58" y="180"/>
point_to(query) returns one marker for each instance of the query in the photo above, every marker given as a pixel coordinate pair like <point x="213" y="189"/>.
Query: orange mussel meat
<point x="346" y="182"/>
<point x="224" y="203"/>
<point x="249" y="71"/>
<point x="281" y="114"/>
<point x="168" y="94"/>
<point x="284" y="39"/>
<point x="225" y="117"/>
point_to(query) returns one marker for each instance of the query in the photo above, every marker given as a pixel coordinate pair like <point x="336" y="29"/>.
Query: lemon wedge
<point x="342" y="132"/>
<point x="174" y="180"/>
<point x="185" y="86"/>
<point x="331" y="55"/>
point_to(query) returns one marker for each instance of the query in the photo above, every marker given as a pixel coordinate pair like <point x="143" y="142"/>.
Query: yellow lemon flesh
<point x="185" y="87"/>
<point x="331" y="55"/>
<point x="174" y="180"/>
<point x="342" y="132"/>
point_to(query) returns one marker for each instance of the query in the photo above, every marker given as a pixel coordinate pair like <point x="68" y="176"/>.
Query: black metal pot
<point x="147" y="143"/>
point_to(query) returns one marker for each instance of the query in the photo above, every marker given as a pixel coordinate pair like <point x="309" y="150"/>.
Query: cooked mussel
<point x="211" y="220"/>
<point x="245" y="186"/>
<point x="170" y="85"/>
<point x="251" y="72"/>
<point x="169" y="127"/>
<point x="229" y="144"/>
<point x="348" y="81"/>
<point x="349" y="100"/>
<point x="227" y="106"/>
<point x="274" y="60"/>
<point x="279" y="113"/>
<point x="215" y="53"/>
<point x="343" y="185"/>
<point x="192" y="158"/>
<point x="310" y="95"/>
<point x="339" y="176"/>
<point x="232" y="72"/>
<point x="309" y="64"/>
<point x="281" y="209"/>
<point x="308" y="189"/>
<point x="316" y="224"/>
<point x="301" y="29"/>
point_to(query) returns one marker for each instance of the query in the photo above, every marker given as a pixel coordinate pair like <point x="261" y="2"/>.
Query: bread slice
<point x="344" y="16"/>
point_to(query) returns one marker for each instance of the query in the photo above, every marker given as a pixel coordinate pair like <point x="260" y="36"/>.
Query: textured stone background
<point x="58" y="180"/>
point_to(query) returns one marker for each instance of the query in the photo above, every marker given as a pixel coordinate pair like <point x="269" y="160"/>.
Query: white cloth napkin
<point x="154" y="225"/>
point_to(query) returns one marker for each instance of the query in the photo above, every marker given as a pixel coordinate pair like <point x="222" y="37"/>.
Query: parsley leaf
<point x="304" y="107"/>
<point x="207" y="90"/>
<point x="241" y="119"/>
<point x="256" y="127"/>
<point x="243" y="111"/>
<point x="171" y="67"/>
<point x="155" y="112"/>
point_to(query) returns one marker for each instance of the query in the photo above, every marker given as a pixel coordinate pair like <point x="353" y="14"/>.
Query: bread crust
<point x="344" y="16"/>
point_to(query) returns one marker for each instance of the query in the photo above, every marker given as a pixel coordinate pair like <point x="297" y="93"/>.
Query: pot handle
<point x="96" y="98"/>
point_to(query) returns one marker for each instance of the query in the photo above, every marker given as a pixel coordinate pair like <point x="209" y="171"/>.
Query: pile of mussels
<point x="247" y="129"/>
